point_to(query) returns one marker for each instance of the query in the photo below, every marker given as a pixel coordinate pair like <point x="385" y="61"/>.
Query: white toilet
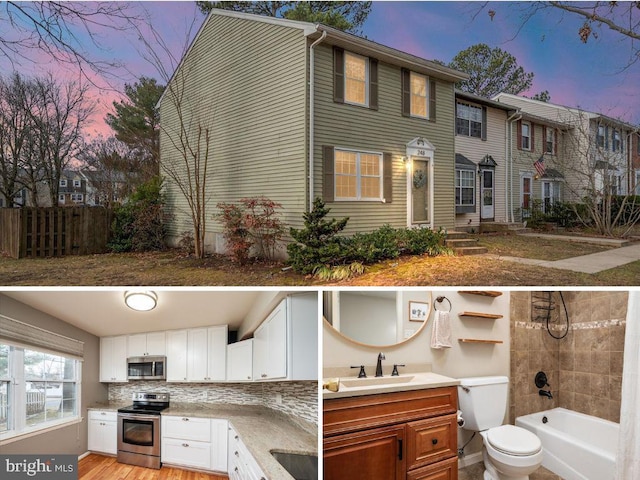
<point x="509" y="452"/>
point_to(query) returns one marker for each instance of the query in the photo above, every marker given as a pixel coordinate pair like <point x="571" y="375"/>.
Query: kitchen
<point x="219" y="382"/>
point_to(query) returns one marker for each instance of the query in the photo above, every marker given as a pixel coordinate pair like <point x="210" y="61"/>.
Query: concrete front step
<point x="470" y="251"/>
<point x="492" y="227"/>
<point x="463" y="244"/>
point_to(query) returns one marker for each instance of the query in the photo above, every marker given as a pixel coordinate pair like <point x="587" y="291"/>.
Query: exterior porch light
<point x="140" y="300"/>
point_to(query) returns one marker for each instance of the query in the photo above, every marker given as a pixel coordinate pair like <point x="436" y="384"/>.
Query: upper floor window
<point x="418" y="95"/>
<point x="77" y="183"/>
<point x="355" y="79"/>
<point x="550" y="141"/>
<point x="63" y="182"/>
<point x="616" y="141"/>
<point x="468" y="120"/>
<point x="358" y="175"/>
<point x="525" y="131"/>
<point x="601" y="136"/>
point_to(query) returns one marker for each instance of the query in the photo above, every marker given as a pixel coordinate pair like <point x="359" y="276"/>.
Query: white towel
<point x="441" y="333"/>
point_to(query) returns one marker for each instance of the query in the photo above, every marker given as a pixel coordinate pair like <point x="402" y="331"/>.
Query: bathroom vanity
<point x="405" y="433"/>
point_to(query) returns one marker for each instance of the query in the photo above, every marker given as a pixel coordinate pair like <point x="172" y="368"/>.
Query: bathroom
<point x="583" y="368"/>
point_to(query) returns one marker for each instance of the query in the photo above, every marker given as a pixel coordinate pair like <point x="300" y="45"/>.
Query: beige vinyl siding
<point x="246" y="80"/>
<point x="384" y="130"/>
<point x="475" y="149"/>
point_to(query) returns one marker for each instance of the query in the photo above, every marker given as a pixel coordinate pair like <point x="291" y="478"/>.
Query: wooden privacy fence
<point x="54" y="231"/>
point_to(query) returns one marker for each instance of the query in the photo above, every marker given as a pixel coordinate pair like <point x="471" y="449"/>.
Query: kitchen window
<point x="525" y="132"/>
<point x="358" y="175"/>
<point x="468" y="120"/>
<point x="38" y="390"/>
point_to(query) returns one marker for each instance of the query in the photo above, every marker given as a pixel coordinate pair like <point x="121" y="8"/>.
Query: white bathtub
<point x="576" y="446"/>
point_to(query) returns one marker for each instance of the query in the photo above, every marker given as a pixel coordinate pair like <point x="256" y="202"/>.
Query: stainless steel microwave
<point x="147" y="368"/>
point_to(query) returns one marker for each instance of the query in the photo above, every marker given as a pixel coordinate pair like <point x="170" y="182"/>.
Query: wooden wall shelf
<point x="484" y="293"/>
<point x="475" y="340"/>
<point x="480" y="315"/>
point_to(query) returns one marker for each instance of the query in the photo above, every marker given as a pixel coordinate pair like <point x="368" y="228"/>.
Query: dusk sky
<point x="591" y="76"/>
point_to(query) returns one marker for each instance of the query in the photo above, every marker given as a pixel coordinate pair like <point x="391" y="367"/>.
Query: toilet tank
<point x="483" y="401"/>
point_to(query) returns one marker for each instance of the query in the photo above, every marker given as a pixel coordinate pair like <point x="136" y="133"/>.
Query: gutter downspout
<point x="312" y="113"/>
<point x="509" y="156"/>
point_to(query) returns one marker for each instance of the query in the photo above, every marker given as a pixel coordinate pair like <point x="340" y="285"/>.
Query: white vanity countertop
<point x="353" y="386"/>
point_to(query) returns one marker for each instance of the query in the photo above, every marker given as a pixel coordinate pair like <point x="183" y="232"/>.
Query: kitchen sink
<point x="365" y="382"/>
<point x="299" y="466"/>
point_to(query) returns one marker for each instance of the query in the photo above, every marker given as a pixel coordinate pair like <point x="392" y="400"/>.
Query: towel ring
<point x="440" y="300"/>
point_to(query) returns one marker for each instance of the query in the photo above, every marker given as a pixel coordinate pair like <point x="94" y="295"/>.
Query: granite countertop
<point x="107" y="406"/>
<point x="261" y="429"/>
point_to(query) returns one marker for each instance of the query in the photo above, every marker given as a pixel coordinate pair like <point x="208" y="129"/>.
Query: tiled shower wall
<point x="298" y="399"/>
<point x="584" y="368"/>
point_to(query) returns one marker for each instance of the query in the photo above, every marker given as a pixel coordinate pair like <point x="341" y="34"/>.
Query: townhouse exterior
<point x="296" y="111"/>
<point x="583" y="153"/>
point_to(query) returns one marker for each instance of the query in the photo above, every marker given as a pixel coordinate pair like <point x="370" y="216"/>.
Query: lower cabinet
<point x="103" y="432"/>
<point x="242" y="465"/>
<point x="195" y="442"/>
<point x="400" y="435"/>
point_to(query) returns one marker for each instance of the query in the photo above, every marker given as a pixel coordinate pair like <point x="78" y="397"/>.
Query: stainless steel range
<point x="139" y="430"/>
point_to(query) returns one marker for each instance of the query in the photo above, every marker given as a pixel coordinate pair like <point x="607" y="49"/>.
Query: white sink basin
<point x="365" y="382"/>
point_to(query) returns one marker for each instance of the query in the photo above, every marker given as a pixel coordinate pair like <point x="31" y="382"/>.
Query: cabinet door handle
<point x="185" y="419"/>
<point x="236" y="453"/>
<point x="185" y="444"/>
<point x="400" y="449"/>
<point x="434" y="441"/>
<point x="264" y="375"/>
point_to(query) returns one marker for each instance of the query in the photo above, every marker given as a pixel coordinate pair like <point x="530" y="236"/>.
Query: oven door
<point x="139" y="433"/>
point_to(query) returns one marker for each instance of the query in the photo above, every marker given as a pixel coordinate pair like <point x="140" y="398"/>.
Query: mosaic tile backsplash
<point x="584" y="368"/>
<point x="297" y="399"/>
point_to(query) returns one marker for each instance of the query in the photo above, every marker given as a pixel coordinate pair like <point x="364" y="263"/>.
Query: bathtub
<point x="576" y="446"/>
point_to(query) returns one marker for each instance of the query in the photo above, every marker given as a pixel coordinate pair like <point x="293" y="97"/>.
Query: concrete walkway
<point x="607" y="242"/>
<point x="593" y="263"/>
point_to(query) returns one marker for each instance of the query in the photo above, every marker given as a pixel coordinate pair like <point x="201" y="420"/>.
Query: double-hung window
<point x="601" y="136"/>
<point x="77" y="183"/>
<point x="468" y="120"/>
<point x="616" y="141"/>
<point x="525" y="131"/>
<point x="419" y="98"/>
<point x="358" y="175"/>
<point x="63" y="182"/>
<point x="38" y="390"/>
<point x="356" y="79"/>
<point x="465" y="190"/>
<point x="550" y="141"/>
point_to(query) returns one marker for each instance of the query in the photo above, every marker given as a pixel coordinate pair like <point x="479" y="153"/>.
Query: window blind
<point x="15" y="331"/>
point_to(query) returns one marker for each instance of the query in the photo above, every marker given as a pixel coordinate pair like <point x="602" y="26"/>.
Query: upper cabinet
<point x="207" y="354"/>
<point x="285" y="346"/>
<point x="143" y="344"/>
<point x="240" y="361"/>
<point x="177" y="356"/>
<point x="113" y="359"/>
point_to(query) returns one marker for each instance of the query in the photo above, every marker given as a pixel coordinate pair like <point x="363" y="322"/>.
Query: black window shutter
<point x="606" y="137"/>
<point x="484" y="123"/>
<point x="387" y="177"/>
<point x="544" y="139"/>
<point x="338" y="75"/>
<point x="373" y="84"/>
<point x="329" y="179"/>
<point x="533" y="138"/>
<point x="519" y="134"/>
<point x="406" y="93"/>
<point x="432" y="100"/>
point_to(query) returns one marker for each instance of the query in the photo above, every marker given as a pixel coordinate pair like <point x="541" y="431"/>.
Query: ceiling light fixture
<point x="141" y="300"/>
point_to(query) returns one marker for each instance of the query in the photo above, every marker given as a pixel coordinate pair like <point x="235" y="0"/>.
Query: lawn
<point x="174" y="269"/>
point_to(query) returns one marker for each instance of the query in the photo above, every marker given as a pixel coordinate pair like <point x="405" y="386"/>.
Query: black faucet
<point x="379" y="365"/>
<point x="545" y="393"/>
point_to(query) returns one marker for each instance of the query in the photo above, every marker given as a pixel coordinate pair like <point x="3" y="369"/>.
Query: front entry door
<point x="487" y="187"/>
<point x="420" y="192"/>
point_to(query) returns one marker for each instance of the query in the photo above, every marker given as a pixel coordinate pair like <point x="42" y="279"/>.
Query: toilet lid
<point x="514" y="440"/>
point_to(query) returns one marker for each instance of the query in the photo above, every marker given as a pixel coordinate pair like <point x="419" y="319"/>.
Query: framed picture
<point x="418" y="311"/>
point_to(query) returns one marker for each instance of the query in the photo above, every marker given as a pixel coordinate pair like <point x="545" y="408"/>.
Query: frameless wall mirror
<point x="377" y="318"/>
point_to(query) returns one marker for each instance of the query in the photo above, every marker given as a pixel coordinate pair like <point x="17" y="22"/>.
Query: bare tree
<point x="185" y="128"/>
<point x="67" y="32"/>
<point x="595" y="165"/>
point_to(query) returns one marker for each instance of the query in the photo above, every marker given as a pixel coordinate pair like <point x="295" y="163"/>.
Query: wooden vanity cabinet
<point x="398" y="435"/>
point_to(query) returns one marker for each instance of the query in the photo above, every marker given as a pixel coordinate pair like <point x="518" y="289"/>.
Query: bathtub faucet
<point x="545" y="393"/>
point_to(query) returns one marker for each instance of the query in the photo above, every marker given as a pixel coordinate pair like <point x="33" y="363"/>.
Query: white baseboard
<point x="469" y="459"/>
<point x="85" y="454"/>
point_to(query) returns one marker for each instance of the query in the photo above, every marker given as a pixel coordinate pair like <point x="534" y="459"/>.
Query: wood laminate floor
<point x="98" y="467"/>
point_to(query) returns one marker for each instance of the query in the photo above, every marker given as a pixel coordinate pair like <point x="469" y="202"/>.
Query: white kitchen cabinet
<point x="240" y="361"/>
<point x="241" y="464"/>
<point x="113" y="359"/>
<point x="103" y="428"/>
<point x="177" y="356"/>
<point x="195" y="442"/>
<point x="286" y="344"/>
<point x="207" y="354"/>
<point x="143" y="344"/>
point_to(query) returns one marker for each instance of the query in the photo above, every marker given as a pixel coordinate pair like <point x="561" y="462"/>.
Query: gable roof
<point x="485" y="101"/>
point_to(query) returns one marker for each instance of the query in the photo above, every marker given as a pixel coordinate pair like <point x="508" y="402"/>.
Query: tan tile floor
<point x="475" y="471"/>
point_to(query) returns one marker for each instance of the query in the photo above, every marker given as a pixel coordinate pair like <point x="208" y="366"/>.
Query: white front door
<point x="487" y="210"/>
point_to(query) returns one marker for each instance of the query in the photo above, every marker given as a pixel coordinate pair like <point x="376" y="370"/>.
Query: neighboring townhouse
<point x="296" y="110"/>
<point x="481" y="160"/>
<point x="72" y="189"/>
<point x="635" y="162"/>
<point x="581" y="153"/>
<point x="104" y="188"/>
